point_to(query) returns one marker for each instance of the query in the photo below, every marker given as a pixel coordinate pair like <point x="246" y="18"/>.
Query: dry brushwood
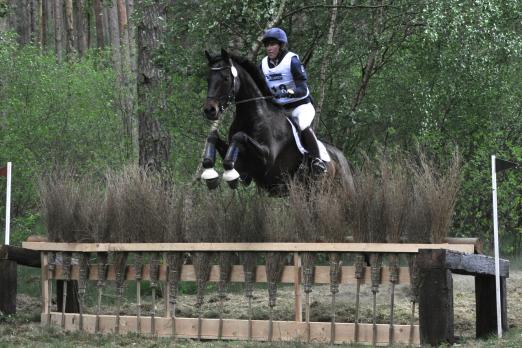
<point x="277" y="229"/>
<point x="137" y="211"/>
<point x="304" y="198"/>
<point x="175" y="234"/>
<point x="439" y="186"/>
<point x="397" y="193"/>
<point x="203" y="219"/>
<point x="367" y="209"/>
<point x="59" y="197"/>
<point x="233" y="213"/>
<point x="250" y="231"/>
<point x="328" y="219"/>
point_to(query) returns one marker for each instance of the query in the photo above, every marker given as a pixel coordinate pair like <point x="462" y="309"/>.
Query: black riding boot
<point x="310" y="143"/>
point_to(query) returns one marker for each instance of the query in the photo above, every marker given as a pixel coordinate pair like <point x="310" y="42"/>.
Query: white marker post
<point x="495" y="238"/>
<point x="8" y="204"/>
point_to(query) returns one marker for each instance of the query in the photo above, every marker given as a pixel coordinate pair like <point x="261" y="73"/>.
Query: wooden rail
<point x="457" y="257"/>
<point x="321" y="276"/>
<point x="237" y="329"/>
<point x="255" y="247"/>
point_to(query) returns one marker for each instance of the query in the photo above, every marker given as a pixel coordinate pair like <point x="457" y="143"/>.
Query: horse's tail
<point x="343" y="168"/>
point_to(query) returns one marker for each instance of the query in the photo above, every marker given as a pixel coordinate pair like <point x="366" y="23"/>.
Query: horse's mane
<point x="251" y="68"/>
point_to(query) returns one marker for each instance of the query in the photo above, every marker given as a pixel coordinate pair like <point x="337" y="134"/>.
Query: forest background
<point x="93" y="84"/>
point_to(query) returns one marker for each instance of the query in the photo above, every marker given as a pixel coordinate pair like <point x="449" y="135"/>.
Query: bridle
<point x="230" y="97"/>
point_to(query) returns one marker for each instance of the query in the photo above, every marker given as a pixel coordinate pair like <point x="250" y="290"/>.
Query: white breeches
<point x="303" y="115"/>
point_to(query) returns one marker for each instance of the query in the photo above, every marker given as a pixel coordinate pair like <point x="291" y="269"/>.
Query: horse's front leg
<point x="209" y="174"/>
<point x="247" y="144"/>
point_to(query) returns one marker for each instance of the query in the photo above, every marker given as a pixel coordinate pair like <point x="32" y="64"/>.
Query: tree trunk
<point x="106" y="28"/>
<point x="82" y="27"/>
<point x="33" y="19"/>
<point x="12" y="18"/>
<point x="43" y="24"/>
<point x="58" y="29"/>
<point x="132" y="36"/>
<point x="127" y="83"/>
<point x="326" y="64"/>
<point x="20" y="19"/>
<point x="71" y="37"/>
<point x="25" y="29"/>
<point x="114" y="35"/>
<point x="154" y="142"/>
<point x="89" y="20"/>
<point x="98" y="15"/>
<point x="49" y="18"/>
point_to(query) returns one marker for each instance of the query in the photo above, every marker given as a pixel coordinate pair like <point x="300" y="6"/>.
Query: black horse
<point x="261" y="144"/>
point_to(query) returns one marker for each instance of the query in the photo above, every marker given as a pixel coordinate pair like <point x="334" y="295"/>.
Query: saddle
<point x="323" y="154"/>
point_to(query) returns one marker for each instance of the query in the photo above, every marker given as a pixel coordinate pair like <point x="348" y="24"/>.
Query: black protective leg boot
<point x="310" y="143"/>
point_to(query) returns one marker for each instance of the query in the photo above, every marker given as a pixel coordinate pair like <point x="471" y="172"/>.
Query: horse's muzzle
<point x="211" y="110"/>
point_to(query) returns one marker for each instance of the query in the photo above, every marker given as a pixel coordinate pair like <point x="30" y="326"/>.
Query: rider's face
<point x="272" y="49"/>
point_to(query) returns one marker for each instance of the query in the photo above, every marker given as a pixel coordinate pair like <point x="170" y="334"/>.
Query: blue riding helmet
<point x="275" y="34"/>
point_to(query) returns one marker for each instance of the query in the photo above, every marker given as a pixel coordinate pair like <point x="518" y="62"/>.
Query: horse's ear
<point x="207" y="55"/>
<point x="224" y="55"/>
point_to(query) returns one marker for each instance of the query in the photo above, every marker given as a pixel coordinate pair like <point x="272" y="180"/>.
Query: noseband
<point x="230" y="97"/>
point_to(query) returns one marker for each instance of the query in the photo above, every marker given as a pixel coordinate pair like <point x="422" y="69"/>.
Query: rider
<point x="286" y="77"/>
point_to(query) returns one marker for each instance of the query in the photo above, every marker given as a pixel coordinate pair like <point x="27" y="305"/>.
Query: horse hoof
<point x="233" y="184"/>
<point x="209" y="173"/>
<point x="212" y="183"/>
<point x="230" y="175"/>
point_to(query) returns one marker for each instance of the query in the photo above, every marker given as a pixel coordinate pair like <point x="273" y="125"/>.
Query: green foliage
<point x="448" y="73"/>
<point x="444" y="73"/>
<point x="54" y="116"/>
<point x="4" y="8"/>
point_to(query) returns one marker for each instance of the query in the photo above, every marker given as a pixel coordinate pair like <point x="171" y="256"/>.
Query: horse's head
<point x="223" y="82"/>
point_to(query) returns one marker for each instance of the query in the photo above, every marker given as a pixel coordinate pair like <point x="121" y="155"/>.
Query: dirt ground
<point x="23" y="329"/>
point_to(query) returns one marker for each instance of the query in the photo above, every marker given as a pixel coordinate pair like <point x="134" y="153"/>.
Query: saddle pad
<point x="325" y="156"/>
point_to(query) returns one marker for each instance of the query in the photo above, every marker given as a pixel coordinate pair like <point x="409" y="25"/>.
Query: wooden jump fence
<point x="434" y="265"/>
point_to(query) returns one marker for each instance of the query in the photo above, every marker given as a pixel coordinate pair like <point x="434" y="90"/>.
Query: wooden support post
<point x="486" y="312"/>
<point x="297" y="288"/>
<point x="8" y="286"/>
<point x="45" y="284"/>
<point x="435" y="298"/>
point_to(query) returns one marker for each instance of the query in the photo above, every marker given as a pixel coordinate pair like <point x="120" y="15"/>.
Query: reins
<point x="231" y="95"/>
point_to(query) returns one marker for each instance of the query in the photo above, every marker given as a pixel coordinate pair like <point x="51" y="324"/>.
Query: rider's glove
<point x="280" y="94"/>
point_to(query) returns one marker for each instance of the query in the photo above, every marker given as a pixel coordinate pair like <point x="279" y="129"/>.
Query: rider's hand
<point x="280" y="94"/>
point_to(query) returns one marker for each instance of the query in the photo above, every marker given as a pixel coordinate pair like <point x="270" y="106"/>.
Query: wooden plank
<point x="322" y="274"/>
<point x="238" y="329"/>
<point x="474" y="264"/>
<point x="256" y="247"/>
<point x="45" y="283"/>
<point x="21" y="256"/>
<point x="8" y="286"/>
<point x="479" y="249"/>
